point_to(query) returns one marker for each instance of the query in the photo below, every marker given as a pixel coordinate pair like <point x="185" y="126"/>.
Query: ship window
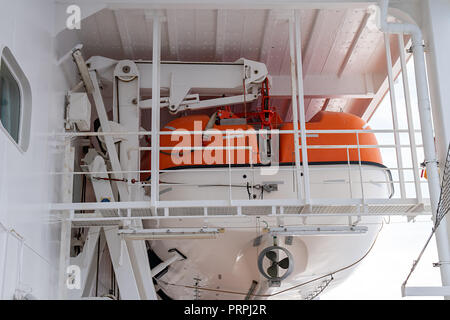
<point x="15" y="101"/>
<point x="10" y="104"/>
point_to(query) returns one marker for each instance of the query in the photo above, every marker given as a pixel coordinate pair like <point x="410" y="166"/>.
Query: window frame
<point x="8" y="59"/>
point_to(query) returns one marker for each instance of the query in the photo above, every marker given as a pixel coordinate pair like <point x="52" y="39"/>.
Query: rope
<point x="442" y="209"/>
<point x="444" y="198"/>
<point x="320" y="288"/>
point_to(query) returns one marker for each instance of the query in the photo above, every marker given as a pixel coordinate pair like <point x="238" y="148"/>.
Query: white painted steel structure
<point x="305" y="172"/>
<point x="314" y="65"/>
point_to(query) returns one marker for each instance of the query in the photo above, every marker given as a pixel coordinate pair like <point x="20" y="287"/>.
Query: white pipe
<point x="301" y="105"/>
<point x="423" y="97"/>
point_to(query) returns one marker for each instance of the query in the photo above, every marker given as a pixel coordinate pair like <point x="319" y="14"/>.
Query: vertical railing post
<point x="349" y="174"/>
<point x="295" y="110"/>
<point x="301" y="105"/>
<point x="363" y="196"/>
<point x="411" y="132"/>
<point x="155" y="110"/>
<point x="398" y="149"/>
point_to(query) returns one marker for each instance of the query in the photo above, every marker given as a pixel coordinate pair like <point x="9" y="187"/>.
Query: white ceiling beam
<point x="336" y="43"/>
<point x="354" y="43"/>
<point x="124" y="35"/>
<point x="314" y="106"/>
<point x="325" y="104"/>
<point x="361" y="86"/>
<point x="172" y="34"/>
<point x="382" y="90"/>
<point x="313" y="40"/>
<point x="267" y="37"/>
<point x="220" y="34"/>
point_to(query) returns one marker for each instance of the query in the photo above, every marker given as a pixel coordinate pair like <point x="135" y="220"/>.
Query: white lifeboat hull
<point x="225" y="267"/>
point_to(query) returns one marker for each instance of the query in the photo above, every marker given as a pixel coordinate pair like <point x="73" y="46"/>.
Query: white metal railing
<point x="298" y="201"/>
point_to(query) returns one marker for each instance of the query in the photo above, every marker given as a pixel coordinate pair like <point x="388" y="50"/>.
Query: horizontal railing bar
<point x="359" y="131"/>
<point x="241" y="131"/>
<point x="99" y="172"/>
<point x="232" y="132"/>
<point x="323" y="146"/>
<point x="367" y="167"/>
<point x="426" y="291"/>
<point x="101" y="133"/>
<point x="355" y="146"/>
<point x="205" y="148"/>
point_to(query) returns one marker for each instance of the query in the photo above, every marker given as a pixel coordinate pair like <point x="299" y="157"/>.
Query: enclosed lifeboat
<point x="335" y="172"/>
<point x="335" y="148"/>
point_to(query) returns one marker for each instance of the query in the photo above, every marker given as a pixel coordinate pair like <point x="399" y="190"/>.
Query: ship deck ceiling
<point x="344" y="61"/>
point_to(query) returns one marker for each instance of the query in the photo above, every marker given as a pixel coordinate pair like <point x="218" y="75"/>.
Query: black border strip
<point x="283" y="164"/>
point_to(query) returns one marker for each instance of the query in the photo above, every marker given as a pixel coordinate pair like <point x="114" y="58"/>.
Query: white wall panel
<point x="26" y="27"/>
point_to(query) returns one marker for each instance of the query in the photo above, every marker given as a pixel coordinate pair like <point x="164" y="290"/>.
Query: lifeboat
<point x="339" y="169"/>
<point x="335" y="147"/>
<point x="335" y="173"/>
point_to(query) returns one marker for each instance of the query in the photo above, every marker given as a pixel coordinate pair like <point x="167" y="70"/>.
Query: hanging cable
<point x="245" y="101"/>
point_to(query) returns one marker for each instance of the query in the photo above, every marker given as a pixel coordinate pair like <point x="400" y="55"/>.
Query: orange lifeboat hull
<point x="247" y="137"/>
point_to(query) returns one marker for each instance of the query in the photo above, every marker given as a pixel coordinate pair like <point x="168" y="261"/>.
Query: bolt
<point x="134" y="101"/>
<point x="126" y="69"/>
